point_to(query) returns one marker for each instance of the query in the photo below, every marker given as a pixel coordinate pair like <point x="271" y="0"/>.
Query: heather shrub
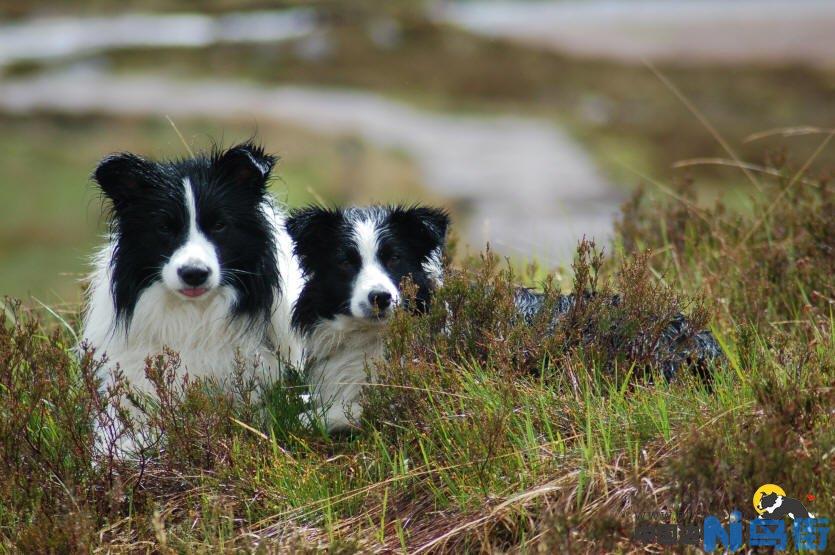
<point x="47" y="404"/>
<point x="475" y="323"/>
<point x="768" y="264"/>
<point x="769" y="269"/>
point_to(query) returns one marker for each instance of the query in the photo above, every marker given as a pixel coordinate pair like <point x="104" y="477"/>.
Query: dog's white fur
<point x="434" y="267"/>
<point x="342" y="352"/>
<point x="371" y="277"/>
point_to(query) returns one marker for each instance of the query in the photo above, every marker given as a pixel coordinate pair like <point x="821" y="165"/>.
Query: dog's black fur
<point x="679" y="344"/>
<point x="789" y="507"/>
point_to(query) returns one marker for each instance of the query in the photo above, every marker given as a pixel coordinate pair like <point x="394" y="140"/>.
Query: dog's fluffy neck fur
<point x="342" y="354"/>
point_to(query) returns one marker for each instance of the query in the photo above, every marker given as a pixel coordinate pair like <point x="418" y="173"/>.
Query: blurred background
<point x="532" y="121"/>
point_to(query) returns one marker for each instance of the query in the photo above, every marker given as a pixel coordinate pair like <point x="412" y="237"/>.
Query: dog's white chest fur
<point x="343" y="353"/>
<point x="201" y="333"/>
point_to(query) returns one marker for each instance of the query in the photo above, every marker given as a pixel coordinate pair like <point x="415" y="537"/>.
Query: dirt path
<point x="678" y="31"/>
<point x="530" y="189"/>
<point x="51" y="38"/>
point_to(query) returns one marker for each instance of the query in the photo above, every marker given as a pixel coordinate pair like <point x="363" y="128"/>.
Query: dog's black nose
<point x="380" y="299"/>
<point x="193" y="275"/>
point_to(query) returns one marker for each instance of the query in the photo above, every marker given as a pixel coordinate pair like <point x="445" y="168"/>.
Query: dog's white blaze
<point x="197" y="251"/>
<point x="371" y="277"/>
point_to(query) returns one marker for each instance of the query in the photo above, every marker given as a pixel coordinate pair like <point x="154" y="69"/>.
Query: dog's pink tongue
<point x="195" y="292"/>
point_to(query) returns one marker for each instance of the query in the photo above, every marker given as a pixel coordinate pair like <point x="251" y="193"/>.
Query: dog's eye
<point x="347" y="262"/>
<point x="393" y="260"/>
<point x="218" y="226"/>
<point x="166" y="227"/>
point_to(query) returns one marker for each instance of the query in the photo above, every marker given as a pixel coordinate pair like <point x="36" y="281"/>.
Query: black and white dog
<point x="354" y="261"/>
<point x="776" y="507"/>
<point x="198" y="260"/>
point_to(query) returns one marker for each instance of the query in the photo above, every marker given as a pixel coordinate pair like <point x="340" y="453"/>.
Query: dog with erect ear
<point x="197" y="261"/>
<point x="354" y="261"/>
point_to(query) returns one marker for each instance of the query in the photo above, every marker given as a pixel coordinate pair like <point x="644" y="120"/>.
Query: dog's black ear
<point x="124" y="177"/>
<point x="426" y="227"/>
<point x="244" y="164"/>
<point x="313" y="227"/>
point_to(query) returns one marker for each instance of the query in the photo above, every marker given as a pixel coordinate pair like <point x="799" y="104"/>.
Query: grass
<point x="19" y="8"/>
<point x="50" y="212"/>
<point x="486" y="437"/>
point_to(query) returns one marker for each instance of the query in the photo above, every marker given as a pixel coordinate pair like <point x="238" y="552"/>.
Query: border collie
<point x="353" y="262"/>
<point x="198" y="260"/>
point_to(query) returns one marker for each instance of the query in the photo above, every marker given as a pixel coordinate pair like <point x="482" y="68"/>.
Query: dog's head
<point x="355" y="259"/>
<point x="767" y="501"/>
<point x="193" y="225"/>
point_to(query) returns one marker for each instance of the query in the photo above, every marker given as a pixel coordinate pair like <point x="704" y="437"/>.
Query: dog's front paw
<point x="335" y="419"/>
